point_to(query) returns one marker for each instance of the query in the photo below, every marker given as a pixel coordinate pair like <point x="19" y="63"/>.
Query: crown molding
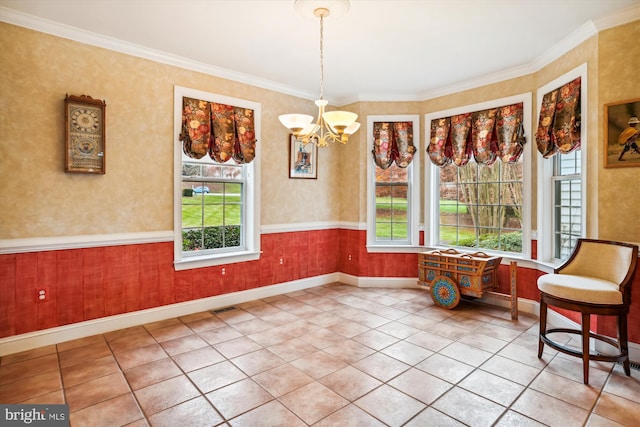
<point x="57" y="29"/>
<point x="584" y="32"/>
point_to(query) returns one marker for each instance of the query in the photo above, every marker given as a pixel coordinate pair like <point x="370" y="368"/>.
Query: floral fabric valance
<point x="222" y="131"/>
<point x="393" y="142"/>
<point x="488" y="135"/>
<point x="559" y="124"/>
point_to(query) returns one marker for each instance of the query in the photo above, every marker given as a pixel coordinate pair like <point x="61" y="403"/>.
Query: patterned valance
<point x="393" y="142"/>
<point x="222" y="131"/>
<point x="559" y="125"/>
<point x="488" y="135"/>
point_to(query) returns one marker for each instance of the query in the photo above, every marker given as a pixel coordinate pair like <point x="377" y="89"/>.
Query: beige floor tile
<point x="492" y="387"/>
<point x="469" y="408"/>
<point x="420" y="385"/>
<point x="84" y="354"/>
<point x="549" y="410"/>
<point x="95" y="391"/>
<point x="198" y="358"/>
<point x="29" y="354"/>
<point x="165" y="394"/>
<point x="350" y="383"/>
<point x="381" y="366"/>
<point x="292" y="349"/>
<point x="28" y="368"/>
<point x="406" y="352"/>
<point x="81" y="342"/>
<point x="205" y="324"/>
<point x="432" y="342"/>
<point x="432" y="417"/>
<point x="232" y="317"/>
<point x="511" y="418"/>
<point x="398" y="329"/>
<point x="466" y="354"/>
<point x="282" y="379"/>
<point x="313" y="402"/>
<point x="270" y="337"/>
<point x="219" y="335"/>
<point x="348" y="328"/>
<point x="118" y="411"/>
<point x="256" y="362"/>
<point x="571" y="368"/>
<point x="131" y="341"/>
<point x="76" y="374"/>
<point x="196" y="412"/>
<point x="511" y="370"/>
<point x="483" y="342"/>
<point x="238" y="398"/>
<point x="390" y="405"/>
<point x="237" y="347"/>
<point x="151" y="373"/>
<point x="183" y="344"/>
<point x="250" y="326"/>
<point x="140" y="356"/>
<point x="55" y="397"/>
<point x="30" y="387"/>
<point x="375" y="339"/>
<point x="351" y="416"/>
<point x="624" y="386"/>
<point x="171" y="332"/>
<point x="323" y="338"/>
<point x="318" y="364"/>
<point x="596" y="420"/>
<point x="618" y="409"/>
<point x="565" y="389"/>
<point x="215" y="376"/>
<point x="349" y="351"/>
<point x="445" y="368"/>
<point x="269" y="414"/>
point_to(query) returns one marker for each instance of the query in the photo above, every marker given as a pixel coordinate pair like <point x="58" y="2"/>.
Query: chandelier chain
<point x="321" y="57"/>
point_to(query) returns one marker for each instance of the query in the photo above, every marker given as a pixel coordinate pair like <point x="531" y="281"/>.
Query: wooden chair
<point x="596" y="279"/>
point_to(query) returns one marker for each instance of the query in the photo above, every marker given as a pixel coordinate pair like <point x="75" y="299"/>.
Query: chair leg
<point x="623" y="340"/>
<point x="543" y="326"/>
<point x="586" y="326"/>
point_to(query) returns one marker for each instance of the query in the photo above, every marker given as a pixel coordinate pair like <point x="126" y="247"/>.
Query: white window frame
<point x="546" y="192"/>
<point x="432" y="174"/>
<point x="251" y="220"/>
<point x="413" y="192"/>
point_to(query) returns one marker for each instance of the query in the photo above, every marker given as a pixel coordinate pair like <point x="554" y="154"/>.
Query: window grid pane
<point x="481" y="206"/>
<point x="567" y="214"/>
<point x="392" y="189"/>
<point x="212" y="207"/>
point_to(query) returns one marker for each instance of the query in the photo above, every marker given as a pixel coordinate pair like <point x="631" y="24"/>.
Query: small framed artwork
<point x="84" y="133"/>
<point x="622" y="134"/>
<point x="303" y="159"/>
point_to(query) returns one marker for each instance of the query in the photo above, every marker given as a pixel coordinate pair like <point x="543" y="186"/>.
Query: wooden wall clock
<point x="84" y="134"/>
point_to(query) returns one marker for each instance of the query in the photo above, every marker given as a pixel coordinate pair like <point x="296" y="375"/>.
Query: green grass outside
<point x="214" y="210"/>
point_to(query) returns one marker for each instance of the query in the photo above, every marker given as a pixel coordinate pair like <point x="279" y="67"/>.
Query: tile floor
<point x="334" y="355"/>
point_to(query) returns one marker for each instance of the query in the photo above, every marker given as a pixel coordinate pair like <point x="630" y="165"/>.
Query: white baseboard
<point x="31" y="340"/>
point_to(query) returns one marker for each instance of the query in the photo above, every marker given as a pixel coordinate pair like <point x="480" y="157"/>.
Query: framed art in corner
<point x="84" y="134"/>
<point x="622" y="134"/>
<point x="303" y="159"/>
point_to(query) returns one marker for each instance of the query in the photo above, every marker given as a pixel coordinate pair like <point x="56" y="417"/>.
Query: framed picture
<point x="303" y="159"/>
<point x="622" y="134"/>
<point x="84" y="134"/>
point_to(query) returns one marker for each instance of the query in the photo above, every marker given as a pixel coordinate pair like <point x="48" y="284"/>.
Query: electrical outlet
<point x="281" y="261"/>
<point x="42" y="294"/>
<point x="223" y="271"/>
<point x="349" y="257"/>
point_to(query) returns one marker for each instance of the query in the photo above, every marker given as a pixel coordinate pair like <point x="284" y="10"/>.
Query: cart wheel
<point x="444" y="292"/>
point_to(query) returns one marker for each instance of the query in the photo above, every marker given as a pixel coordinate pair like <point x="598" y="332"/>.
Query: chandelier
<point x="331" y="126"/>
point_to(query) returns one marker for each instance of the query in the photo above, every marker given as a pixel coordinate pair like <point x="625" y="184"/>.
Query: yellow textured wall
<point x="618" y="188"/>
<point x="136" y="194"/>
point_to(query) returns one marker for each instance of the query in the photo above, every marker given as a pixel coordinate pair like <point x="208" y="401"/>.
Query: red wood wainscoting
<point x="90" y="283"/>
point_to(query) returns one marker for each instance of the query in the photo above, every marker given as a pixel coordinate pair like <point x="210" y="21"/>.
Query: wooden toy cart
<point x="450" y="274"/>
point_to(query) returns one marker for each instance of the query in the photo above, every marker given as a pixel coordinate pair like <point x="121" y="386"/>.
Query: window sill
<point x="213" y="260"/>
<point x="394" y="249"/>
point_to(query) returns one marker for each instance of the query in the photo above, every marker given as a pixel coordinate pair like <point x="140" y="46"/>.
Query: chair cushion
<point x="580" y="288"/>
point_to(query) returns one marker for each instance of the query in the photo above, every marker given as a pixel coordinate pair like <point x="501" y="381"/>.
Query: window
<point x="215" y="204"/>
<point x="562" y="186"/>
<point x="479" y="207"/>
<point x="393" y="195"/>
<point x="567" y="196"/>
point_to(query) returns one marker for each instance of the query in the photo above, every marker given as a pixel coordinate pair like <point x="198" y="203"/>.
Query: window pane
<point x="391" y="203"/>
<point x="485" y="205"/>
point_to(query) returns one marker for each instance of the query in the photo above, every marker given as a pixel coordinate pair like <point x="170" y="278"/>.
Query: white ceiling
<point x="379" y="50"/>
